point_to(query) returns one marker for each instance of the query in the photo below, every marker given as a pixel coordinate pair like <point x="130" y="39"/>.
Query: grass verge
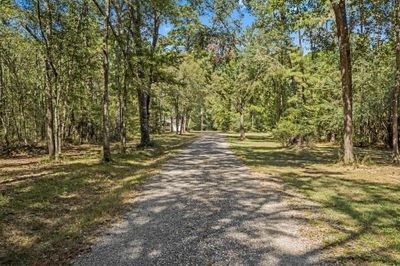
<point x="359" y="214"/>
<point x="49" y="212"/>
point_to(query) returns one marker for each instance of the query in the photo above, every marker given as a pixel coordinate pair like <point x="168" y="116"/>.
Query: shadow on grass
<point x="51" y="213"/>
<point x="257" y="152"/>
<point x="360" y="212"/>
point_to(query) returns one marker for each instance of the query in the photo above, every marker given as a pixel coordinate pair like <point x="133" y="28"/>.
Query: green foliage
<point x="282" y="71"/>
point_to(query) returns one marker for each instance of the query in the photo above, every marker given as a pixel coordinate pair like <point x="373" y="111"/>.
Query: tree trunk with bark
<point x="118" y="113"/>
<point x="242" y="131"/>
<point x="188" y="122"/>
<point x="53" y="142"/>
<point x="201" y="119"/>
<point x="144" y="119"/>
<point x="396" y="90"/>
<point x="2" y="106"/>
<point x="106" y="65"/>
<point x="183" y="123"/>
<point x="160" y="124"/>
<point x="172" y="123"/>
<point x="143" y="89"/>
<point x="177" y="118"/>
<point x="123" y="116"/>
<point x="347" y="83"/>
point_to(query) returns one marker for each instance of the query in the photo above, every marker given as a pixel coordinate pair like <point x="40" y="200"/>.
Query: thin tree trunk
<point x="51" y="83"/>
<point x="118" y="113"/>
<point x="177" y="116"/>
<point x="49" y="114"/>
<point x="242" y="132"/>
<point x="188" y="121"/>
<point x="346" y="72"/>
<point x="183" y="123"/>
<point x="49" y="87"/>
<point x="123" y="117"/>
<point x="144" y="88"/>
<point x="201" y="119"/>
<point x="395" y="115"/>
<point x="160" y="127"/>
<point x="164" y="119"/>
<point x="2" y="105"/>
<point x="63" y="124"/>
<point x="106" y="118"/>
<point x="144" y="119"/>
<point x="122" y="92"/>
<point x="178" y="123"/>
<point x="57" y="125"/>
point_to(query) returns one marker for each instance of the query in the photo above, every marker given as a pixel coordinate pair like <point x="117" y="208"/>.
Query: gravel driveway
<point x="206" y="208"/>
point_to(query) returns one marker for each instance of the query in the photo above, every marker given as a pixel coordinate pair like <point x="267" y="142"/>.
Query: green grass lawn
<point x="359" y="214"/>
<point x="49" y="212"/>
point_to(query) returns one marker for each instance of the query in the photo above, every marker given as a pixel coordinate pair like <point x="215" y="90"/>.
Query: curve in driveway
<point x="206" y="208"/>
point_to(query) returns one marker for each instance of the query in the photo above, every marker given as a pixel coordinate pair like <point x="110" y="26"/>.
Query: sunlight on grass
<point x="51" y="211"/>
<point x="360" y="206"/>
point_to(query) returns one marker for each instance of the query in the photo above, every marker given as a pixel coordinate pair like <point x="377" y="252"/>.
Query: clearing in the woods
<point x="112" y="91"/>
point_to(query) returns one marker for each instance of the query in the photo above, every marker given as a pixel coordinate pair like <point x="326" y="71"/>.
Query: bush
<point x="296" y="128"/>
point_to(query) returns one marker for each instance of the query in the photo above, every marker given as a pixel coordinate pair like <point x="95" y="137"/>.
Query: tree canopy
<point x="111" y="70"/>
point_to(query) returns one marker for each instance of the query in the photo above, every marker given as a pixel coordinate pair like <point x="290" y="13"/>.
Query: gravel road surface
<point x="207" y="208"/>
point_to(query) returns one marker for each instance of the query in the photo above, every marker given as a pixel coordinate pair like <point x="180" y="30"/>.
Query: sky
<point x="247" y="20"/>
<point x="165" y="28"/>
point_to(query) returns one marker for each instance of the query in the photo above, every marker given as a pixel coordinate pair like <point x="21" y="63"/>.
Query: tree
<point x="44" y="20"/>
<point x="396" y="90"/>
<point x="202" y="64"/>
<point x="106" y="65"/>
<point x="346" y="72"/>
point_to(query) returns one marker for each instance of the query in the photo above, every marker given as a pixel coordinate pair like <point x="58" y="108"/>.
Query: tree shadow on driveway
<point x="207" y="208"/>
